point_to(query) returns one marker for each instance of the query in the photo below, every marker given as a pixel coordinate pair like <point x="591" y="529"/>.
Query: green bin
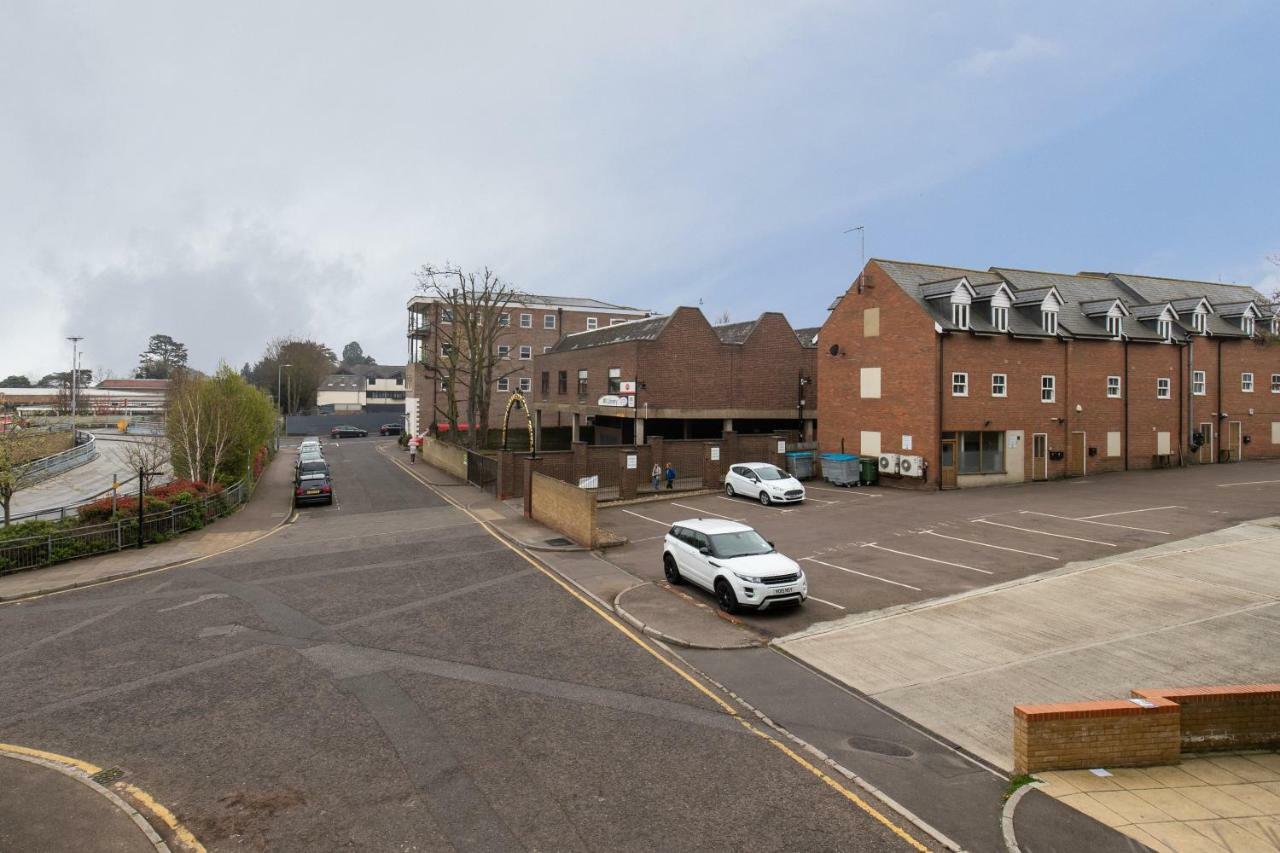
<point x="870" y="470"/>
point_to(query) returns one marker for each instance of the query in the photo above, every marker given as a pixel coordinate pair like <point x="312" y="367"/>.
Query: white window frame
<point x="444" y="385"/>
<point x="1164" y="388"/>
<point x="446" y="350"/>
<point x="960" y="315"/>
<point x="1001" y="388"/>
<point x="1275" y="324"/>
<point x="1049" y="322"/>
<point x="959" y="385"/>
<point x="1115" y="387"/>
<point x="1164" y="328"/>
<point x="1048" y="385"/>
<point x="1000" y="318"/>
<point x="592" y="323"/>
<point x="526" y="352"/>
<point x="504" y="384"/>
<point x="446" y="316"/>
<point x="1199" y="383"/>
<point x="1275" y="383"/>
<point x="1198" y="321"/>
<point x="546" y="350"/>
<point x="1115" y="326"/>
<point x="526" y="383"/>
<point x="526" y="321"/>
<point x="617" y="321"/>
<point x="504" y="351"/>
<point x="1246" y="383"/>
<point x="548" y="321"/>
<point x="1246" y="323"/>
<point x="504" y="319"/>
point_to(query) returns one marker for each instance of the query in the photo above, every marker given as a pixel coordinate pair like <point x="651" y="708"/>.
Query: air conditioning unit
<point x="911" y="466"/>
<point x="889" y="463"/>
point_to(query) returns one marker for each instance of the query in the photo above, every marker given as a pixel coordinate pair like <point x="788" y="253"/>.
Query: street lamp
<point x="279" y="402"/>
<point x="75" y="372"/>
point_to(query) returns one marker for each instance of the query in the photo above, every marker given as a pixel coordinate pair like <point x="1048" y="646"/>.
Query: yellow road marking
<point x="728" y="709"/>
<point x="180" y="832"/>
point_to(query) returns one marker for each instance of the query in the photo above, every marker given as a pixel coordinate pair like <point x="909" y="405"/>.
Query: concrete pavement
<point x="79" y="483"/>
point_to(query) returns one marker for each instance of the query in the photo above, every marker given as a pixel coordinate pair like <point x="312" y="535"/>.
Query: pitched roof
<point x="735" y="333"/>
<point x="647" y="329"/>
<point x="1152" y="289"/>
<point x="342" y="382"/>
<point x="808" y="337"/>
<point x="134" y="384"/>
<point x="1076" y="292"/>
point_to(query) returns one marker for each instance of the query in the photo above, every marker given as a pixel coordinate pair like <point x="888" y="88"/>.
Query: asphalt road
<point x="385" y="675"/>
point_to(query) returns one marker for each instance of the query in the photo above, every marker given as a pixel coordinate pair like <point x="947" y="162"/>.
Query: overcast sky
<point x="228" y="172"/>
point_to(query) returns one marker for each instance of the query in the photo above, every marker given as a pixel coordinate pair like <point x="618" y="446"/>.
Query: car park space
<point x="867" y="548"/>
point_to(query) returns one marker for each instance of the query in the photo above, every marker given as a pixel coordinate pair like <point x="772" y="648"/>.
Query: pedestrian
<point x="656" y="476"/>
<point x="671" y="476"/>
<point x="413" y="449"/>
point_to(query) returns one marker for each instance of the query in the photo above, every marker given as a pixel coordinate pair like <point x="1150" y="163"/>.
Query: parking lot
<point x="869" y="548"/>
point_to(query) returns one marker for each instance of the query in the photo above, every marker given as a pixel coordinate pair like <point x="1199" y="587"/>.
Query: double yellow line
<point x="667" y="662"/>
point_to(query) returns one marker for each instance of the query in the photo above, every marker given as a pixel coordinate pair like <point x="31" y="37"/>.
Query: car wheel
<point x="670" y="569"/>
<point x="724" y="596"/>
<point x="728" y="490"/>
<point x="764" y="498"/>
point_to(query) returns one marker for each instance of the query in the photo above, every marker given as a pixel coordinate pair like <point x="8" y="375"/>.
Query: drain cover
<point x="881" y="747"/>
<point x="106" y="777"/>
<point x="558" y="541"/>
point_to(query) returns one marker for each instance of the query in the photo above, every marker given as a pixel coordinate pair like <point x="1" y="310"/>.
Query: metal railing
<point x="62" y="513"/>
<point x="85" y="450"/>
<point x="57" y="546"/>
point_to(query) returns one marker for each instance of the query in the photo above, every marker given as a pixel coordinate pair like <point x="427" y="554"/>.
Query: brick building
<point x="535" y="324"/>
<point x="993" y="376"/>
<point x="690" y="379"/>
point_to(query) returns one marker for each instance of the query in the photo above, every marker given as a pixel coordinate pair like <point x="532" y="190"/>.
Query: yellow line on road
<point x="728" y="709"/>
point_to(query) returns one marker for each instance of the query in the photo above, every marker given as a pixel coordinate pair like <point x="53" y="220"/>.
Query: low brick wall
<point x="564" y="508"/>
<point x="449" y="458"/>
<point x="1111" y="733"/>
<point x="1239" y="716"/>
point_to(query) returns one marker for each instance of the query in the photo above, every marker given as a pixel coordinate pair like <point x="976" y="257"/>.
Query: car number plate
<point x="313" y="491"/>
<point x="783" y="590"/>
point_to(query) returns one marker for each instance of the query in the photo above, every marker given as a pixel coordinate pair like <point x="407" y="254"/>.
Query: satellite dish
<point x="835" y="349"/>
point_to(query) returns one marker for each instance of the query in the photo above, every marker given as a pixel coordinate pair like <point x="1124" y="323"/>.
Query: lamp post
<point x="800" y="404"/>
<point x="279" y="402"/>
<point x="75" y="375"/>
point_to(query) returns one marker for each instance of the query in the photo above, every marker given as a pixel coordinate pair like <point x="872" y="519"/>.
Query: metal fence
<point x="482" y="471"/>
<point x="32" y="552"/>
<point x="85" y="449"/>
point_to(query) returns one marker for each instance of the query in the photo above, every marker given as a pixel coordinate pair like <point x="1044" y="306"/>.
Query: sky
<point x="228" y="173"/>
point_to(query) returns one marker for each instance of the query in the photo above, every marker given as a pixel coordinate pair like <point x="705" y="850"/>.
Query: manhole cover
<point x="558" y="541"/>
<point x="106" y="777"/>
<point x="881" y="747"/>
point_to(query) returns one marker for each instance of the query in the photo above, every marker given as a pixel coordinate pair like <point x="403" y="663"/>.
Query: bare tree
<point x="147" y="453"/>
<point x="476" y="303"/>
<point x="13" y="468"/>
<point x="722" y="318"/>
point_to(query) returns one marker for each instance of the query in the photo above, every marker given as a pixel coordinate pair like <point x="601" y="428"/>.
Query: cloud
<point x="1024" y="49"/>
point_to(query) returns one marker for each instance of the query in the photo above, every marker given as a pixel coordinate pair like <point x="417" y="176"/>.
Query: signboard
<point x="631" y="461"/>
<point x="592" y="482"/>
<point x="615" y="401"/>
<point x="715" y="454"/>
<point x="782" y="447"/>
<point x="627" y="387"/>
<point x="906" y="442"/>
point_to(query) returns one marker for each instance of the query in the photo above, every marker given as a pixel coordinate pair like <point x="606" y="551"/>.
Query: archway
<point x="517" y="399"/>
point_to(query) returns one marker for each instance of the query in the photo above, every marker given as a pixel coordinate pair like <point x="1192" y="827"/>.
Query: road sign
<point x="615" y="401"/>
<point x="627" y="387"/>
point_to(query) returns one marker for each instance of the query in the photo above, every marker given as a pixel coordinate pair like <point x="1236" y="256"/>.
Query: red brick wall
<point x="1245" y="716"/>
<point x="1111" y="733"/>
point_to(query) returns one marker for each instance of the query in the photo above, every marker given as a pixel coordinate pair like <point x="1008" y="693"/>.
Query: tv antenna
<point x="862" y="239"/>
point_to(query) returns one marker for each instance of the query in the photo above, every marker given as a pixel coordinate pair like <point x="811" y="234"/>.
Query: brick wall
<point x="564" y="508"/>
<point x="1233" y="717"/>
<point x="449" y="458"/>
<point x="1111" y="733"/>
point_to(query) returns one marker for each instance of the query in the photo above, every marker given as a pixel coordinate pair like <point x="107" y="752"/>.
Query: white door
<point x="699" y="572"/>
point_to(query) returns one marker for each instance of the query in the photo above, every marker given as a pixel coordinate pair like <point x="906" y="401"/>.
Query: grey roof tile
<point x="647" y="329"/>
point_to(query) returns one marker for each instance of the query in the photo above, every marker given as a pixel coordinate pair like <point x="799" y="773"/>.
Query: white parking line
<point x="861" y="574"/>
<point x="853" y="492"/>
<point x="647" y="518"/>
<point x="1127" y="512"/>
<point x="768" y="508"/>
<point x="929" y="559"/>
<point x="824" y="601"/>
<point x="1099" y="523"/>
<point x="1042" y="532"/>
<point x="707" y="511"/>
<point x="989" y="545"/>
<point x="1250" y="483"/>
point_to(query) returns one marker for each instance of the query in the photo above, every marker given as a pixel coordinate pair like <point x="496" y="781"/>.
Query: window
<point x="548" y="321"/>
<point x="1114" y="326"/>
<point x="1113" y="387"/>
<point x="562" y="382"/>
<point x="1048" y="389"/>
<point x="980" y="452"/>
<point x="1000" y="318"/>
<point x="592" y="323"/>
<point x="526" y="384"/>
<point x="526" y="353"/>
<point x="446" y="315"/>
<point x="444" y="385"/>
<point x="582" y="383"/>
<point x="504" y="319"/>
<point x="960" y="315"/>
<point x="1164" y="328"/>
<point x="1246" y="323"/>
<point x="446" y="350"/>
<point x="546" y="381"/>
<point x="1246" y="383"/>
<point x="959" y="385"/>
<point x="504" y="351"/>
<point x="1197" y="382"/>
<point x="1197" y="321"/>
<point x="1275" y="383"/>
<point x="615" y="380"/>
<point x="1275" y="325"/>
<point x="1049" y="322"/>
<point x="1162" y="388"/>
<point x="504" y="384"/>
<point x="546" y="349"/>
<point x="616" y="321"/>
<point x="869" y="383"/>
<point x="526" y="321"/>
<point x="999" y="385"/>
<point x="871" y="323"/>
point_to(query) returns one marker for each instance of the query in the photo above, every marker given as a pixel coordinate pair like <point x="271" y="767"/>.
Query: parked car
<point x="347" y="432"/>
<point x="309" y="443"/>
<point x="305" y="456"/>
<point x="733" y="562"/>
<point x="391" y="429"/>
<point x="311" y="467"/>
<point x="313" y="489"/>
<point x="764" y="482"/>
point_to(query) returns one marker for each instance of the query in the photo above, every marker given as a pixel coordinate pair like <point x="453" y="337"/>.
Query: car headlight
<point x="748" y="578"/>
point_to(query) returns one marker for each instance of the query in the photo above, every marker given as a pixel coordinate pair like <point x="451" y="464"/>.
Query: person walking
<point x="671" y="476"/>
<point x="656" y="476"/>
<point x="413" y="449"/>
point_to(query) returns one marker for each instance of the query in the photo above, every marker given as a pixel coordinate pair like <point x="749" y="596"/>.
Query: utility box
<point x="870" y="470"/>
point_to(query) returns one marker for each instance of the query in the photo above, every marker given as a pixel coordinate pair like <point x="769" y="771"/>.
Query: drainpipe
<point x="1124" y="393"/>
<point x="942" y="337"/>
<point x="1182" y="459"/>
<point x="1219" y="420"/>
<point x="1066" y="404"/>
<point x="1191" y="400"/>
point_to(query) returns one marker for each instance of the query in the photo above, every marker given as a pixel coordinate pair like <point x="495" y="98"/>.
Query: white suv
<point x="762" y="481"/>
<point x="734" y="562"/>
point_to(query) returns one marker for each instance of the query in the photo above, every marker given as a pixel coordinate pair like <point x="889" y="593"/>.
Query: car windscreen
<point x="314" y="468"/>
<point x="743" y="543"/>
<point x="769" y="472"/>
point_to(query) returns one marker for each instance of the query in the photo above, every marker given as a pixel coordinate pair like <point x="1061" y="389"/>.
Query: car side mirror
<point x="771" y="545"/>
<point x="705" y="551"/>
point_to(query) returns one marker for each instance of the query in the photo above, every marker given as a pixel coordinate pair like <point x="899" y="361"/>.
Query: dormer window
<point x="1164" y="328"/>
<point x="960" y="315"/>
<point x="1198" y="321"/>
<point x="1049" y="322"/>
<point x="1246" y="323"/>
<point x="1275" y="324"/>
<point x="1000" y="318"/>
<point x="1115" y="324"/>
